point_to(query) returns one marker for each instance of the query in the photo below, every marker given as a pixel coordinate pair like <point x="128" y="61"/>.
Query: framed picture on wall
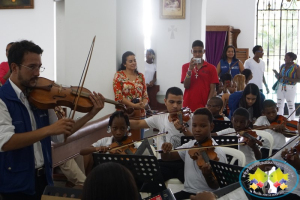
<point x="16" y="4"/>
<point x="172" y="9"/>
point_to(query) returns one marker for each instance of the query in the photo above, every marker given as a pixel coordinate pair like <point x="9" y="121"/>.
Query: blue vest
<point x="225" y="67"/>
<point x="17" y="167"/>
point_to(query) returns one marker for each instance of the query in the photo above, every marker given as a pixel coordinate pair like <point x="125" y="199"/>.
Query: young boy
<point x="214" y="105"/>
<point x="240" y="122"/>
<point x="270" y="115"/>
<point x="196" y="178"/>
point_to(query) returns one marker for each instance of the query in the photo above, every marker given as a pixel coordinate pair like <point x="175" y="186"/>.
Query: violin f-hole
<point x="58" y="96"/>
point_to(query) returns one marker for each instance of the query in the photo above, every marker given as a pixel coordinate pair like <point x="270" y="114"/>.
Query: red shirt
<point x="3" y="70"/>
<point x="197" y="95"/>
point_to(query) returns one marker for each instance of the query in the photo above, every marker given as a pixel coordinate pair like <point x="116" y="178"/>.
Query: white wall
<point x="240" y="14"/>
<point x="31" y="24"/>
<point x="76" y="28"/>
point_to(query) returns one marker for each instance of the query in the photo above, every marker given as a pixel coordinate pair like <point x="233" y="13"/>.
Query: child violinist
<point x="270" y="116"/>
<point x="197" y="178"/>
<point x="214" y="105"/>
<point x="240" y="122"/>
<point x="118" y="126"/>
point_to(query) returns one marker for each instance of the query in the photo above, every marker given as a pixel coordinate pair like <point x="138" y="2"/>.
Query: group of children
<point x="195" y="178"/>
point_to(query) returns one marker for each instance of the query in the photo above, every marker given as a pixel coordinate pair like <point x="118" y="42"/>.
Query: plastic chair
<point x="268" y="136"/>
<point x="236" y="154"/>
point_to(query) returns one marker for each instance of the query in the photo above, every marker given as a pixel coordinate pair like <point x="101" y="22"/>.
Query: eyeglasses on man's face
<point x="34" y="67"/>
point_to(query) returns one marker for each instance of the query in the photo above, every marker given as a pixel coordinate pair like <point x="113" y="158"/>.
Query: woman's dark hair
<point x="204" y="111"/>
<point x="247" y="73"/>
<point x="224" y="54"/>
<point x="18" y="49"/>
<point x="124" y="59"/>
<point x="251" y="88"/>
<point x="119" y="114"/>
<point x="110" y="181"/>
<point x="292" y="55"/>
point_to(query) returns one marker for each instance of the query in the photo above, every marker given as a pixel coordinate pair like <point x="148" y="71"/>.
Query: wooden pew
<point x="84" y="137"/>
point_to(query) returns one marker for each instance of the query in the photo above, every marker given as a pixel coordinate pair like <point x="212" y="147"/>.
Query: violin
<point x="46" y="94"/>
<point x="292" y="155"/>
<point x="183" y="115"/>
<point x="203" y="156"/>
<point x="125" y="147"/>
<point x="290" y="125"/>
<point x="246" y="135"/>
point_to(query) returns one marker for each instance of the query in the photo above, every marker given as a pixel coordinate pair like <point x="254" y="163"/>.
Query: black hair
<point x="11" y="43"/>
<point x="247" y="73"/>
<point x="124" y="59"/>
<point x="291" y="55"/>
<point x="251" y="88"/>
<point x="218" y="100"/>
<point x="225" y="77"/>
<point x="119" y="114"/>
<point x="242" y="112"/>
<point x="224" y="54"/>
<point x="256" y="48"/>
<point x="110" y="181"/>
<point x="204" y="111"/>
<point x="268" y="103"/>
<point x="173" y="90"/>
<point x="198" y="43"/>
<point x="19" y="49"/>
<point x="152" y="53"/>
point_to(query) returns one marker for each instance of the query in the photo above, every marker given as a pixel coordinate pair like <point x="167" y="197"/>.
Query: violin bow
<point x="85" y="70"/>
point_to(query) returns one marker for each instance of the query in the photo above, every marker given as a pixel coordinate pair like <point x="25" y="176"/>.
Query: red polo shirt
<point x="197" y="95"/>
<point x="3" y="70"/>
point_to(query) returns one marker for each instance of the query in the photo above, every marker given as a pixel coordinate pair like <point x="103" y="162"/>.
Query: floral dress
<point x="124" y="88"/>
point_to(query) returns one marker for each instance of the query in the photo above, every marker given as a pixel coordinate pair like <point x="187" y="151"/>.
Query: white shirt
<point x="162" y="123"/>
<point x="194" y="180"/>
<point x="249" y="154"/>
<point x="7" y="130"/>
<point x="279" y="139"/>
<point x="150" y="70"/>
<point x="257" y="70"/>
<point x="104" y="142"/>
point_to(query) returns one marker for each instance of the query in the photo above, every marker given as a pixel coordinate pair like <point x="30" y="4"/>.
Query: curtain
<point x="215" y="42"/>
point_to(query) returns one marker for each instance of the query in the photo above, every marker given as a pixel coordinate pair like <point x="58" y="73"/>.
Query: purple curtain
<point x="215" y="42"/>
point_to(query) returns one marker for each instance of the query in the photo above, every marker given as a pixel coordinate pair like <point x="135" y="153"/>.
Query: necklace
<point x="196" y="72"/>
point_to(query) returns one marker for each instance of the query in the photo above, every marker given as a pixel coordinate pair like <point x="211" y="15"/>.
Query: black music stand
<point x="221" y="140"/>
<point x="228" y="178"/>
<point x="145" y="169"/>
<point x="62" y="192"/>
<point x="221" y="125"/>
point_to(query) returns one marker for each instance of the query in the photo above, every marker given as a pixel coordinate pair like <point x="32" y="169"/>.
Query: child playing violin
<point x="240" y="122"/>
<point x="196" y="178"/>
<point x="270" y="115"/>
<point x="214" y="105"/>
<point x="118" y="126"/>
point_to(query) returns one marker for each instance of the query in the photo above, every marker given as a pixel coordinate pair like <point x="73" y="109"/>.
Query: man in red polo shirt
<point x="199" y="79"/>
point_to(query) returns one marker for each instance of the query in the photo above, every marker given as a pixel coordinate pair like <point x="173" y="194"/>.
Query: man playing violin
<point x="26" y="132"/>
<point x="169" y="122"/>
<point x="197" y="178"/>
<point x="275" y="129"/>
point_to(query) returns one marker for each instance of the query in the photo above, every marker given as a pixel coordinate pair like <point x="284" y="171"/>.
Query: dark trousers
<point x="40" y="184"/>
<point x="183" y="195"/>
<point x="172" y="169"/>
<point x="265" y="152"/>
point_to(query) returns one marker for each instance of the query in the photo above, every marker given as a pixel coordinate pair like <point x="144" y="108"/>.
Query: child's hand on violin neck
<point x="98" y="102"/>
<point x="102" y="149"/>
<point x="166" y="147"/>
<point x="206" y="169"/>
<point x="250" y="142"/>
<point x="62" y="126"/>
<point x="292" y="157"/>
<point x="177" y="124"/>
<point x="278" y="128"/>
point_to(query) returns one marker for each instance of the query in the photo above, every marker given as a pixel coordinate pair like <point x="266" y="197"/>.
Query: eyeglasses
<point x="34" y="67"/>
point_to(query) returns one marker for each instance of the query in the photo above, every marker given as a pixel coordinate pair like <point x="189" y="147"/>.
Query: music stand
<point x="164" y="195"/>
<point x="221" y="125"/>
<point x="62" y="192"/>
<point x="228" y="178"/>
<point x="221" y="140"/>
<point x="145" y="169"/>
